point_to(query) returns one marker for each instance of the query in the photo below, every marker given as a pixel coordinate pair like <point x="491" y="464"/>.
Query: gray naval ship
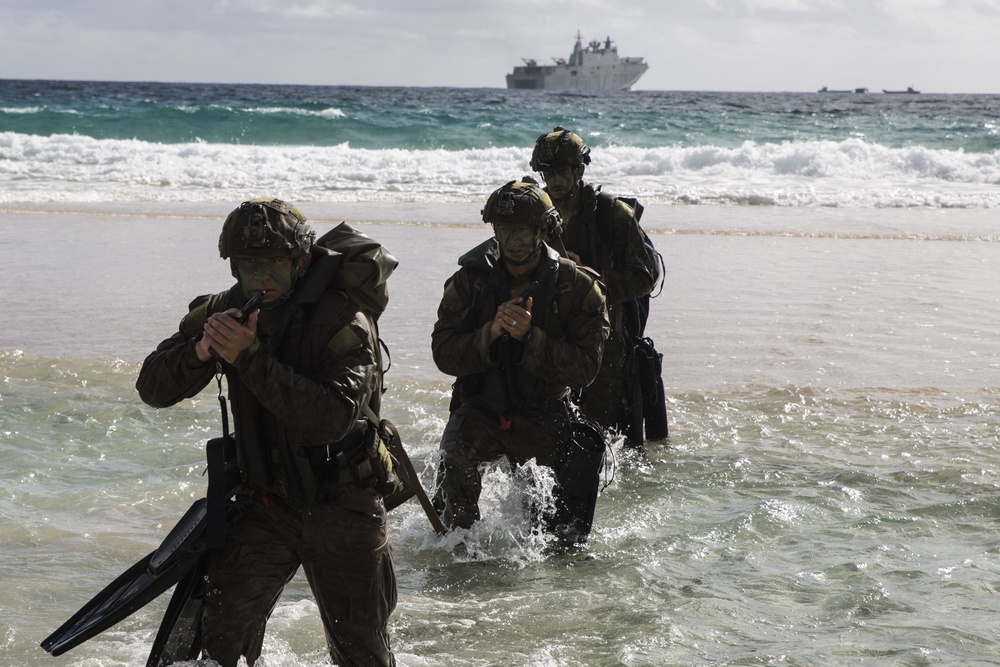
<point x="596" y="67"/>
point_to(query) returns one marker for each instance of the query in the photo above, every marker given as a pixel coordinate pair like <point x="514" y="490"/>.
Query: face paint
<point x="273" y="275"/>
<point x="518" y="243"/>
<point x="560" y="182"/>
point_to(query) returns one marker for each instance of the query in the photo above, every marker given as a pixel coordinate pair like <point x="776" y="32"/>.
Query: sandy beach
<point x="839" y="298"/>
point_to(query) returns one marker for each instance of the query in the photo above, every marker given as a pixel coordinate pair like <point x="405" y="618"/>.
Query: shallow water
<point x="828" y="494"/>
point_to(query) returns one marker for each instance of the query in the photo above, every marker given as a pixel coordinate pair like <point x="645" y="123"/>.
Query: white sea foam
<point x="330" y="112"/>
<point x="20" y="110"/>
<point x="851" y="173"/>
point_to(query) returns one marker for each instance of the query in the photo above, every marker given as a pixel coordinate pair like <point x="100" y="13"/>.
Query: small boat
<point x="909" y="91"/>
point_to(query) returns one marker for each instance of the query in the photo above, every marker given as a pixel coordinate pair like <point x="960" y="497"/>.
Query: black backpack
<point x="644" y="364"/>
<point x="636" y="311"/>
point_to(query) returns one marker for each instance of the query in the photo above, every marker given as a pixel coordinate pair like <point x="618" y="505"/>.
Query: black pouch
<point x="221" y="482"/>
<point x="578" y="477"/>
<point x="649" y="364"/>
<point x="463" y="387"/>
<point x="336" y="464"/>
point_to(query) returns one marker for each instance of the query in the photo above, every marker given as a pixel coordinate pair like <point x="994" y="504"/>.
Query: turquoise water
<point x="458" y="118"/>
<point x="80" y="141"/>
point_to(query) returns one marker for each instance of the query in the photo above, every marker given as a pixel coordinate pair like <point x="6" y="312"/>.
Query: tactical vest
<point x="261" y="453"/>
<point x="504" y="386"/>
<point x="347" y="274"/>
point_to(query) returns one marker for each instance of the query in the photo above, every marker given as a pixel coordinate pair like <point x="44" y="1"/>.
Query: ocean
<point x="828" y="494"/>
<point x="181" y="142"/>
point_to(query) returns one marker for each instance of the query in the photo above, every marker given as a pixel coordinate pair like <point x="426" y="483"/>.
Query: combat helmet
<point x="265" y="227"/>
<point x="523" y="203"/>
<point x="559" y="148"/>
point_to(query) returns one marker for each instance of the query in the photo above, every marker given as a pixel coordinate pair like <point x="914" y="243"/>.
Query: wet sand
<point x="753" y="295"/>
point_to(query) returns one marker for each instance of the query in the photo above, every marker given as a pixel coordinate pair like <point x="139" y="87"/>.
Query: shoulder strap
<point x="562" y="300"/>
<point x="605" y="209"/>
<point x="602" y="241"/>
<point x="323" y="313"/>
<point x="479" y="282"/>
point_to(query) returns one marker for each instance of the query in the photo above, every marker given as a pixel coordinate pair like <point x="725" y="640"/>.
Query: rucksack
<point x="358" y="266"/>
<point x="364" y="266"/>
<point x="637" y="310"/>
<point x="644" y="366"/>
<point x="605" y="207"/>
<point x="363" y="269"/>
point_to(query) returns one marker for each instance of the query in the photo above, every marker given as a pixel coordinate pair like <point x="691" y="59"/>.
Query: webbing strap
<point x="215" y="452"/>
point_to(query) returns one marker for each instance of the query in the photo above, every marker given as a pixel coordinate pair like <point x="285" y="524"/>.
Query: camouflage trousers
<point x="474" y="436"/>
<point x="345" y="554"/>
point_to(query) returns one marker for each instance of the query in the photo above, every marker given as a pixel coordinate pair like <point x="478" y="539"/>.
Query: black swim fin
<point x="181" y="552"/>
<point x="179" y="636"/>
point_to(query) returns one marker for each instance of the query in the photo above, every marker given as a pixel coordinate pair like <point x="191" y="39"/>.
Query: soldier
<point x="601" y="232"/>
<point x="519" y="326"/>
<point x="299" y="372"/>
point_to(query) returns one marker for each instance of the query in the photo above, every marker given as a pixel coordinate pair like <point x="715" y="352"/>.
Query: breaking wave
<point x="847" y="173"/>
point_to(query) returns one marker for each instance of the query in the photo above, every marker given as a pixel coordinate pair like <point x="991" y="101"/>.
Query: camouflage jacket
<point x="303" y="385"/>
<point x="570" y="325"/>
<point x="613" y="246"/>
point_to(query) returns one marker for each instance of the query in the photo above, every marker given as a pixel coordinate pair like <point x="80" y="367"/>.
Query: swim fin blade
<point x="179" y="636"/>
<point x="178" y="555"/>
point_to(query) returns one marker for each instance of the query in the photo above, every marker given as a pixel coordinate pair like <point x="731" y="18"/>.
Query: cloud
<point x="320" y="10"/>
<point x="690" y="44"/>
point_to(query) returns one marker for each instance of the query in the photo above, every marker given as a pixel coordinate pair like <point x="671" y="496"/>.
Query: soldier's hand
<point x="226" y="336"/>
<point x="512" y="317"/>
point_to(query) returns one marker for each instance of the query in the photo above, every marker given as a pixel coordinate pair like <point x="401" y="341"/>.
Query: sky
<point x="942" y="46"/>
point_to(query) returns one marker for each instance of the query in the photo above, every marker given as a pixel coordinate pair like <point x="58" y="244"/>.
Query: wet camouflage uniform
<point x="510" y="397"/>
<point x="607" y="238"/>
<point x="296" y="391"/>
<point x="618" y="254"/>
